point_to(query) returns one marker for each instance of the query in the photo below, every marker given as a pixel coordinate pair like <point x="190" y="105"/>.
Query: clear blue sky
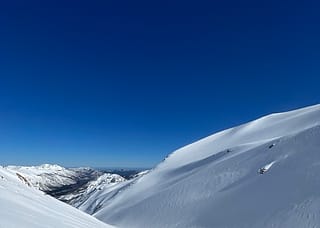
<point x="124" y="83"/>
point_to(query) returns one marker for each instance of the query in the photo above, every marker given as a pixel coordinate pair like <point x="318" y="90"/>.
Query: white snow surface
<point x="105" y="181"/>
<point x="214" y="182"/>
<point x="45" y="176"/>
<point x="26" y="207"/>
<point x="100" y="192"/>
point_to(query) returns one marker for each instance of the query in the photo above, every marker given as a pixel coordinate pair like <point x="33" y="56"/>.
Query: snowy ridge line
<point x="294" y="113"/>
<point x="260" y="174"/>
<point x="268" y="127"/>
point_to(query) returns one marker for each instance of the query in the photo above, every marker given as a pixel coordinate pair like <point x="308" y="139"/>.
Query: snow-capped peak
<point x="50" y="167"/>
<point x="45" y="176"/>
<point x="106" y="178"/>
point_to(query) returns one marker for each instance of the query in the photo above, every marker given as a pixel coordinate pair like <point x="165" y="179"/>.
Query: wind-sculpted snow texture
<point x="22" y="206"/>
<point x="260" y="174"/>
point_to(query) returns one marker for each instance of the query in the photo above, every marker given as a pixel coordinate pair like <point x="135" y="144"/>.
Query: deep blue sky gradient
<point x="124" y="83"/>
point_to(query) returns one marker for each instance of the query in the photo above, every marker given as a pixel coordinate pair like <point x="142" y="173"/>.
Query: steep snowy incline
<point x="260" y="174"/>
<point x="256" y="132"/>
<point x="23" y="206"/>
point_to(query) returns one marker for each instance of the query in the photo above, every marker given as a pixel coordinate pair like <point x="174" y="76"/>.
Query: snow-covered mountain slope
<point x="46" y="177"/>
<point x="24" y="206"/>
<point x="57" y="181"/>
<point x="73" y="186"/>
<point x="79" y="198"/>
<point x="101" y="192"/>
<point x="260" y="174"/>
